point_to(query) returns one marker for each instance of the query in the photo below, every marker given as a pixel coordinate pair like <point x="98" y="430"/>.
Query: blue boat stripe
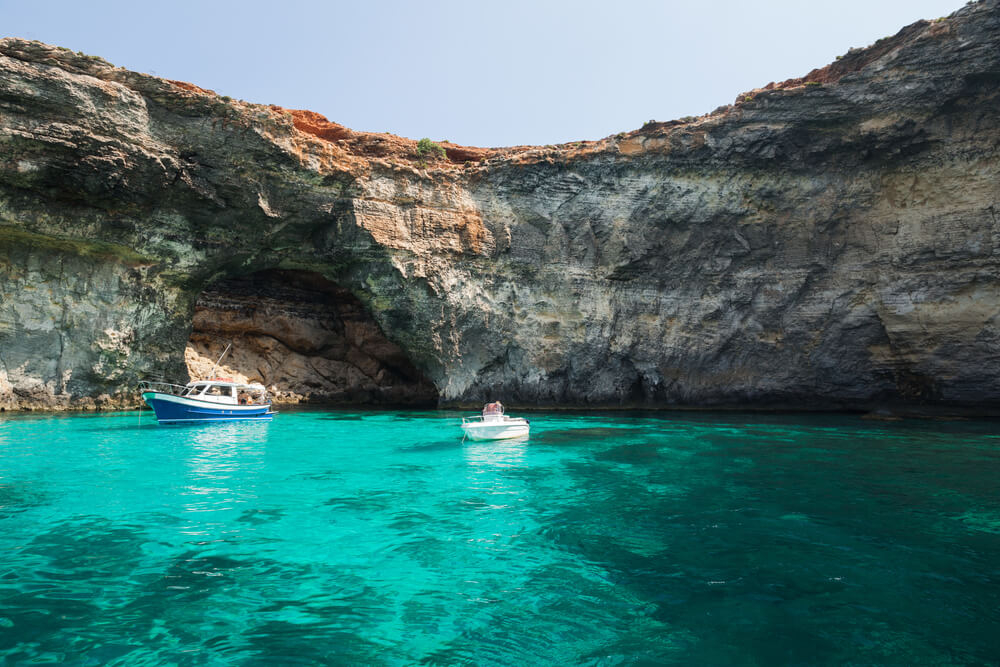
<point x="169" y="409"/>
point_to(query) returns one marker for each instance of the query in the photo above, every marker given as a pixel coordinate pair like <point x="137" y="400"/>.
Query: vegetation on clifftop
<point x="429" y="149"/>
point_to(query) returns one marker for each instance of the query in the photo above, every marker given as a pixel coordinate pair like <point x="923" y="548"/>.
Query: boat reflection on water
<point x="223" y="464"/>
<point x="496" y="453"/>
<point x="496" y="498"/>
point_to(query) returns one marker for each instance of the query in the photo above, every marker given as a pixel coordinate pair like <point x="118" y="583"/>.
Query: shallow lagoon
<point x="606" y="538"/>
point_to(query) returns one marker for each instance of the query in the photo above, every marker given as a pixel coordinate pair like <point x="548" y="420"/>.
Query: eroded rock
<point x="302" y="337"/>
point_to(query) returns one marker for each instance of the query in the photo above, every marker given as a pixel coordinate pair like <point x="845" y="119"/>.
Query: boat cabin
<point x="226" y="392"/>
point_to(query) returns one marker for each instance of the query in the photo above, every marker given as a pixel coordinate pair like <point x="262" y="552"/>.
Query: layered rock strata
<point x="827" y="242"/>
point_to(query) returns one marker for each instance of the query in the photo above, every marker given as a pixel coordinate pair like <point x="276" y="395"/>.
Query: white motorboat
<point x="494" y="425"/>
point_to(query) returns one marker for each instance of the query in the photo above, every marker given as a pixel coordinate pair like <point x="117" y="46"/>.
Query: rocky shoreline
<point x="830" y="242"/>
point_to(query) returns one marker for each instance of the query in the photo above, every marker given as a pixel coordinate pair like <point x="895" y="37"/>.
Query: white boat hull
<point x="513" y="428"/>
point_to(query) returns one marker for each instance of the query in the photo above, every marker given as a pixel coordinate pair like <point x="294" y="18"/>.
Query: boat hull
<point x="172" y="409"/>
<point x="500" y="431"/>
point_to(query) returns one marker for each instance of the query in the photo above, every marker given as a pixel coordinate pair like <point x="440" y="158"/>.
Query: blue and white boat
<point x="218" y="399"/>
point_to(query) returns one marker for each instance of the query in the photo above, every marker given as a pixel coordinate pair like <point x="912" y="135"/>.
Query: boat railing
<point x="479" y="419"/>
<point x="162" y="387"/>
<point x="490" y="419"/>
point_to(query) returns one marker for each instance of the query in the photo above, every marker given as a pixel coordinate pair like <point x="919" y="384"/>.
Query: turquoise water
<point x="604" y="539"/>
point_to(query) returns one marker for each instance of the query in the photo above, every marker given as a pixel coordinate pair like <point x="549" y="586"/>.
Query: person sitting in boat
<point x="495" y="408"/>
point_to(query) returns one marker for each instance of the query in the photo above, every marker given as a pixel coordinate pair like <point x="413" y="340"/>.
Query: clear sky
<point x="477" y="72"/>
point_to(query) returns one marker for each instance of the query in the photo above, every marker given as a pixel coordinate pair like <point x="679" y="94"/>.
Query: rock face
<point x="827" y="242"/>
<point x="304" y="338"/>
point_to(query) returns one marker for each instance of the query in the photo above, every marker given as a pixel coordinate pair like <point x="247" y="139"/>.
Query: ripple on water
<point x="633" y="453"/>
<point x="986" y="522"/>
<point x="586" y="435"/>
<point x="260" y="516"/>
<point x="16" y="497"/>
<point x="370" y="501"/>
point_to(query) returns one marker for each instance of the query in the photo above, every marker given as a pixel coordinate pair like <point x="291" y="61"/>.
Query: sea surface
<point x="334" y="537"/>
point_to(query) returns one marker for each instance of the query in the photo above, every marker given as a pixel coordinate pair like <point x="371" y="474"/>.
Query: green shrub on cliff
<point x="429" y="149"/>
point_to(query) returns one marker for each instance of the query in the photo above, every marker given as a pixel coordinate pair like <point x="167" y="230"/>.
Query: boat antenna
<point x="212" y="372"/>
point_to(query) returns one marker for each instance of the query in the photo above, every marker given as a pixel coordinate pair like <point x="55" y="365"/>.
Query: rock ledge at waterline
<point x="826" y="242"/>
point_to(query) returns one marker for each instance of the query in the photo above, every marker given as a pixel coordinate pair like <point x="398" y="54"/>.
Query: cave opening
<point x="306" y="339"/>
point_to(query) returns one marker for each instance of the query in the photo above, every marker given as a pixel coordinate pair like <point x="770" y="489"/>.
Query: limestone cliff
<point x="826" y="242"/>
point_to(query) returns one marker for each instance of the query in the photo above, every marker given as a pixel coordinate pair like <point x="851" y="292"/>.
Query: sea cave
<point x="305" y="338"/>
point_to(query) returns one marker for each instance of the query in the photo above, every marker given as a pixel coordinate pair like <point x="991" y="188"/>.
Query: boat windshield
<point x="210" y="389"/>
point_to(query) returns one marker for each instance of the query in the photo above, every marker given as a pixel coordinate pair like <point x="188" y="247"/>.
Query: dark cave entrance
<point x="303" y="337"/>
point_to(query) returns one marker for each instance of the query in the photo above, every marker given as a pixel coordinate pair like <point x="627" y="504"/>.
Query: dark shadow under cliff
<point x="305" y="338"/>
